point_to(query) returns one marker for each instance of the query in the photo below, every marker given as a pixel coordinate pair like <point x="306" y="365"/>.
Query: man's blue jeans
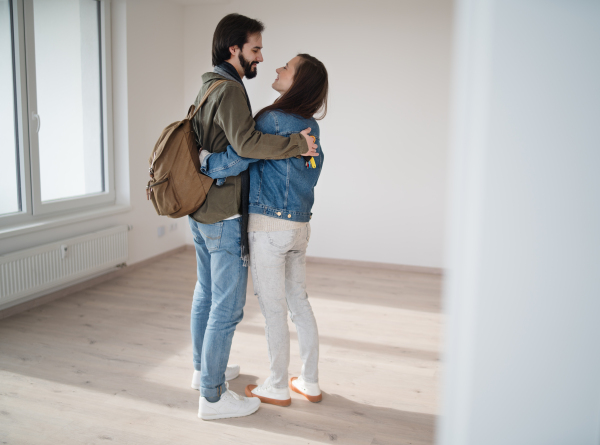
<point x="219" y="299"/>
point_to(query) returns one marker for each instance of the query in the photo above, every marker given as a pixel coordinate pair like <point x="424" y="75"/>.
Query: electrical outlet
<point x="173" y="227"/>
<point x="161" y="231"/>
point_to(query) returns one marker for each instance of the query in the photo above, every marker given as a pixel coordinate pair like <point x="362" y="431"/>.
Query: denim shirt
<point x="283" y="188"/>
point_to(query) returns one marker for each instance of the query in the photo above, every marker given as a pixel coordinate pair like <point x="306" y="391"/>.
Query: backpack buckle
<point x="148" y="190"/>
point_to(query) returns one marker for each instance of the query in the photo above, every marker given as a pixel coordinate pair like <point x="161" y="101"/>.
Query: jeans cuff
<point x="213" y="392"/>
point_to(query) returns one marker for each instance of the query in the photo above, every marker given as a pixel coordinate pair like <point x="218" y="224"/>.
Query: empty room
<point x="278" y="222"/>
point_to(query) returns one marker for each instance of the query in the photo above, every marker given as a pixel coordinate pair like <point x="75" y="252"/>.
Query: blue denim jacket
<point x="278" y="188"/>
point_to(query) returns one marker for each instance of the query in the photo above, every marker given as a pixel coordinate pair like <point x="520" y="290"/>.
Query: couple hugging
<point x="256" y="214"/>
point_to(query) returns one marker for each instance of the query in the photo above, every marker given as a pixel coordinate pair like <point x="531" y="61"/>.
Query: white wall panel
<point x="522" y="296"/>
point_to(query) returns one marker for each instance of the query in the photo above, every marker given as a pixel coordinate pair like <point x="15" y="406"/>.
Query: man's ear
<point x="233" y="50"/>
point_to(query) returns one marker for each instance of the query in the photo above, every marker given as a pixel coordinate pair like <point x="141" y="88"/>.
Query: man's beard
<point x="248" y="72"/>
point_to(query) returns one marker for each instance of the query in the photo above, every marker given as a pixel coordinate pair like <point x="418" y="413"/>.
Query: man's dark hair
<point x="233" y="29"/>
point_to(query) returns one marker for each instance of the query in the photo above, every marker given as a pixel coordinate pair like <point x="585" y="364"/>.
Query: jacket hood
<point x="210" y="76"/>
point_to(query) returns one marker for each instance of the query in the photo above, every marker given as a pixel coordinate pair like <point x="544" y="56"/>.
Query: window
<point x="10" y="199"/>
<point x="54" y="108"/>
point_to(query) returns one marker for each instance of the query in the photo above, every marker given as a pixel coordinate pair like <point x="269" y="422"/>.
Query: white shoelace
<point x="235" y="395"/>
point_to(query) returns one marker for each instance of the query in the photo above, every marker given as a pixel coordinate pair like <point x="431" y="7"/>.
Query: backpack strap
<point x="210" y="90"/>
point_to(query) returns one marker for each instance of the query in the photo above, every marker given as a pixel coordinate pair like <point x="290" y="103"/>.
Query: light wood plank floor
<point x="112" y="364"/>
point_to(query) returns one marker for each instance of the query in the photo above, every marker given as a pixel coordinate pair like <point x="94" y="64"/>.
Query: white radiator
<point x="32" y="271"/>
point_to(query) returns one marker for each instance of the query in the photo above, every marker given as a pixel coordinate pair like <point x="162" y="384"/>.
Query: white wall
<point x="147" y="96"/>
<point x="154" y="94"/>
<point x="522" y="361"/>
<point x="381" y="196"/>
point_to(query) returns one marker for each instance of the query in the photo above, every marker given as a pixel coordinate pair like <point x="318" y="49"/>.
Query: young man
<point x="218" y="226"/>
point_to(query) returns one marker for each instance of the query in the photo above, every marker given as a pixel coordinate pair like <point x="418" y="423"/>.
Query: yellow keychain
<point x="312" y="160"/>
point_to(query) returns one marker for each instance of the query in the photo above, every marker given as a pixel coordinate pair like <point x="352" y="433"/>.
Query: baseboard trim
<point x="375" y="265"/>
<point x="368" y="264"/>
<point x="69" y="289"/>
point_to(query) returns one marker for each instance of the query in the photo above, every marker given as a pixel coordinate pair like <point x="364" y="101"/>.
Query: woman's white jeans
<point x="278" y="264"/>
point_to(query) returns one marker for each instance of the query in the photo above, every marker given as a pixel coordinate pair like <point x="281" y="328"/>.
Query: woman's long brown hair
<point x="308" y="93"/>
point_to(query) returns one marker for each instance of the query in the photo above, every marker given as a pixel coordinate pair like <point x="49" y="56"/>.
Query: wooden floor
<point x="112" y="364"/>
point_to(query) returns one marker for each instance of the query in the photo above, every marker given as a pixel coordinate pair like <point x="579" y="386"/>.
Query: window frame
<point x="32" y="207"/>
<point x="22" y="130"/>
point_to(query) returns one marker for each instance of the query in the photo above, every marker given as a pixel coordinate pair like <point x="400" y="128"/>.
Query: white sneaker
<point x="230" y="405"/>
<point x="231" y="373"/>
<point x="267" y="394"/>
<point x="309" y="390"/>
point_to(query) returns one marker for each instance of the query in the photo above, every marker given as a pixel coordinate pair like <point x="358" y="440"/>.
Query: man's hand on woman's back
<point x="312" y="146"/>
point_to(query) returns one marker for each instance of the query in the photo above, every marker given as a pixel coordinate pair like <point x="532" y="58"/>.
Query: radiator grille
<point x="31" y="271"/>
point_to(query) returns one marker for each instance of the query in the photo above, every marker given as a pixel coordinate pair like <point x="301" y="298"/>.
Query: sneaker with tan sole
<point x="309" y="390"/>
<point x="268" y="394"/>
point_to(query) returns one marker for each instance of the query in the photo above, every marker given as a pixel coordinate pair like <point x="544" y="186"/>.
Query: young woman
<point x="280" y="203"/>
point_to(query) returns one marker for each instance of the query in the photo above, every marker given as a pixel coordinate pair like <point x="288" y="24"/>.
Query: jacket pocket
<point x="164" y="197"/>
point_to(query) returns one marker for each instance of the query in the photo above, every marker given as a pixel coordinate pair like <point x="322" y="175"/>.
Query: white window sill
<point x="56" y="221"/>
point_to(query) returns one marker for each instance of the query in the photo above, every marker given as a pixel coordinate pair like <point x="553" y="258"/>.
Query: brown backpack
<point x="176" y="186"/>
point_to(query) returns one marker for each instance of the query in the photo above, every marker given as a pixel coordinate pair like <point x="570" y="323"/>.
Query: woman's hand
<point x="310" y="141"/>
